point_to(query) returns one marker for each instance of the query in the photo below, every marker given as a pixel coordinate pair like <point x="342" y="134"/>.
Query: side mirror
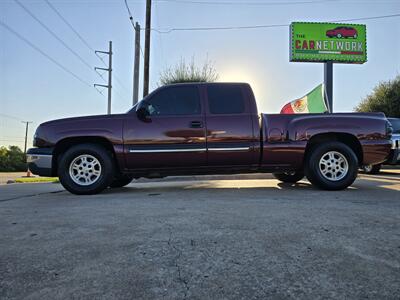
<point x="142" y="111"/>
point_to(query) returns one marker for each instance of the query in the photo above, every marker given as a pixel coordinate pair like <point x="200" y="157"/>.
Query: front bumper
<point x="40" y="161"/>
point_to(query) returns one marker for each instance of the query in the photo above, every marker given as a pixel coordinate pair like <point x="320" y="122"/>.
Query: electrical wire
<point x="247" y="3"/>
<point x="86" y="43"/>
<point x="133" y="24"/>
<point x="53" y="34"/>
<point x="44" y="53"/>
<point x="165" y="31"/>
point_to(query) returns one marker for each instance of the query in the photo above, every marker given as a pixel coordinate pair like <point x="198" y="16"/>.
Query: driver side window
<point x="179" y="100"/>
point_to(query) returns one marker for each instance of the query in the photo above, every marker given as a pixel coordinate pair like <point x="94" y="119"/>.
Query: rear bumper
<point x="40" y="161"/>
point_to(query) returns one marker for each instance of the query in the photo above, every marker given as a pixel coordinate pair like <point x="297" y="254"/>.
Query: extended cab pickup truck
<point x="207" y="128"/>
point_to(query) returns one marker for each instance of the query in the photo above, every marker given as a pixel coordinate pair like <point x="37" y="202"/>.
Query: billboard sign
<point x="322" y="42"/>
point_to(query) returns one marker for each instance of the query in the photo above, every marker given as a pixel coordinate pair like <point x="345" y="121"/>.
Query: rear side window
<point x="180" y="100"/>
<point x="225" y="99"/>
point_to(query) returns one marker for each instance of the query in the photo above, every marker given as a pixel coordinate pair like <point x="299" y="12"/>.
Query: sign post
<point x="328" y="43"/>
<point x="328" y="84"/>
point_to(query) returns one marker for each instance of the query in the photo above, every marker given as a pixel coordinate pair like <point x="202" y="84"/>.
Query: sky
<point x="35" y="88"/>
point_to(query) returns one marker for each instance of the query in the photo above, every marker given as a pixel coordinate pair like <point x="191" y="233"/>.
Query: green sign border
<point x="318" y="57"/>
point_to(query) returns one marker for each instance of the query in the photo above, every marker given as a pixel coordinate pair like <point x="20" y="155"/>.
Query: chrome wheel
<point x="85" y="169"/>
<point x="333" y="166"/>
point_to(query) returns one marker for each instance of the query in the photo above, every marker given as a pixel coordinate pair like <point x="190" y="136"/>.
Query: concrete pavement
<point x="202" y="239"/>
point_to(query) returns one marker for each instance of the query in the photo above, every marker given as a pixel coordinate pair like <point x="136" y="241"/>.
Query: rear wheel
<point x="121" y="180"/>
<point x="289" y="177"/>
<point x="332" y="166"/>
<point x="372" y="169"/>
<point x="86" y="169"/>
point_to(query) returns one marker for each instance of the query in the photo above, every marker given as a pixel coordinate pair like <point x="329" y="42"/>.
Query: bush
<point x="385" y="98"/>
<point x="188" y="72"/>
<point x="12" y="159"/>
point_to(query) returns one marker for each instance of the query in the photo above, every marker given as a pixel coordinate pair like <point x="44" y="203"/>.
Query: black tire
<point x="372" y="169"/>
<point x="289" y="177"/>
<point x="121" y="180"/>
<point x="315" y="175"/>
<point x="106" y="169"/>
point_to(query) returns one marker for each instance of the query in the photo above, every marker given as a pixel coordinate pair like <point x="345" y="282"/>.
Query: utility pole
<point x="328" y="82"/>
<point x="135" y="98"/>
<point x="26" y="133"/>
<point x="109" y="70"/>
<point x="147" y="49"/>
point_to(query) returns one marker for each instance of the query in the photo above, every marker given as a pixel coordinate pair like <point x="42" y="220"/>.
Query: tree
<point x="385" y="98"/>
<point x="188" y="72"/>
<point x="12" y="159"/>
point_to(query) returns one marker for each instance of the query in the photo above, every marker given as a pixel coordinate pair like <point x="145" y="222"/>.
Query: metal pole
<point x="26" y="134"/>
<point x="147" y="49"/>
<point x="136" y="65"/>
<point x="109" y="77"/>
<point x="328" y="82"/>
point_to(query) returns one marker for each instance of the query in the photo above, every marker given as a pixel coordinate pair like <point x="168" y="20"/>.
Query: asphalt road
<point x="207" y="239"/>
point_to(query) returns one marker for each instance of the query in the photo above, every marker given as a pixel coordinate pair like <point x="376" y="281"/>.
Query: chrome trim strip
<point x="168" y="150"/>
<point x="230" y="149"/>
<point x="188" y="150"/>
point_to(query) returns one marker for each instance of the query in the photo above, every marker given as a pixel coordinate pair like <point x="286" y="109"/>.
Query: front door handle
<point x="196" y="124"/>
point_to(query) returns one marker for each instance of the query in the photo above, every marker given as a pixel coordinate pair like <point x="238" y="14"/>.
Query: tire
<point x="331" y="166"/>
<point x="121" y="180"/>
<point x="86" y="169"/>
<point x="289" y="177"/>
<point x="372" y="169"/>
<point x="355" y="35"/>
<point x="339" y="36"/>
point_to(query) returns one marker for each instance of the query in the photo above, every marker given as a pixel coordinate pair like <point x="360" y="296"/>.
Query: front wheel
<point x="331" y="166"/>
<point x="289" y="177"/>
<point x="86" y="169"/>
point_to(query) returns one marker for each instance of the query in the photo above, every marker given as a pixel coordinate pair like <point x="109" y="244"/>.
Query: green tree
<point x="188" y="72"/>
<point x="385" y="97"/>
<point x="12" y="159"/>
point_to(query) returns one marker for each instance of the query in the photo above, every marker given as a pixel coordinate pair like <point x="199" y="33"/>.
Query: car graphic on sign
<point x="342" y="32"/>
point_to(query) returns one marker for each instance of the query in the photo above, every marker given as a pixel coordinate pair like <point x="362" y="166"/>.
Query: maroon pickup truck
<point x="207" y="128"/>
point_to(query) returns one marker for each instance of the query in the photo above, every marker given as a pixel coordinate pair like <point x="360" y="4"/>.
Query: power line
<point x="169" y="30"/>
<point x="53" y="34"/>
<point x="70" y="26"/>
<point x="247" y="3"/>
<point x="84" y="41"/>
<point x="44" y="53"/>
<point x="10" y="117"/>
<point x="132" y="22"/>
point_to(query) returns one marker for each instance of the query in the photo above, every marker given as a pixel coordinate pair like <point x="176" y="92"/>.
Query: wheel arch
<point x="63" y="145"/>
<point x="346" y="138"/>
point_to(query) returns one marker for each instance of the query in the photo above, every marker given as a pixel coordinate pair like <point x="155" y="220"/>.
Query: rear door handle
<point x="196" y="124"/>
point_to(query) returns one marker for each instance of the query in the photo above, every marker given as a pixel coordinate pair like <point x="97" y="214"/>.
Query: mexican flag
<point x="313" y="102"/>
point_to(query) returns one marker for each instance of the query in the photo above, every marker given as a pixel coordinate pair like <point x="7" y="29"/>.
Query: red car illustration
<point x="342" y="32"/>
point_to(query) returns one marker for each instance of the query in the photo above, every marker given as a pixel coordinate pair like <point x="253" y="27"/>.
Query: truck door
<point x="173" y="135"/>
<point x="231" y="138"/>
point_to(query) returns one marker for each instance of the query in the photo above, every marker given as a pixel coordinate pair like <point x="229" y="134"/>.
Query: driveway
<point x="213" y="238"/>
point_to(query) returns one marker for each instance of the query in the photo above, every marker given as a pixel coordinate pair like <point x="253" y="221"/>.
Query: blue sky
<point x="35" y="89"/>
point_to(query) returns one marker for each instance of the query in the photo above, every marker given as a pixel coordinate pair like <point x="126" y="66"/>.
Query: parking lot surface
<point x="213" y="238"/>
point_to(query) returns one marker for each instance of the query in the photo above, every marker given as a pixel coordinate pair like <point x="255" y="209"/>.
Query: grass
<point x="36" y="179"/>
